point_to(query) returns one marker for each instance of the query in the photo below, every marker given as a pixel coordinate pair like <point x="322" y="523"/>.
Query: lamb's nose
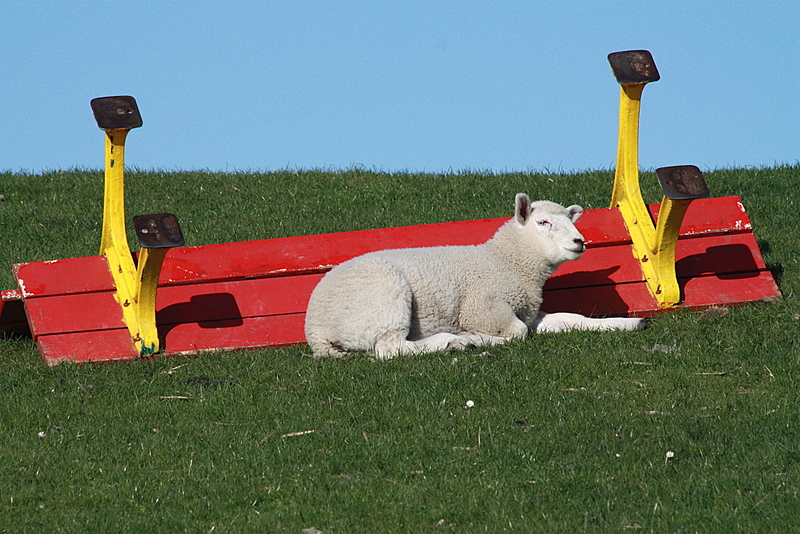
<point x="579" y="241"/>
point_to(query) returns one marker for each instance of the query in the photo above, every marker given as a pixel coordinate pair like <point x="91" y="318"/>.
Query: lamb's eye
<point x="544" y="223"/>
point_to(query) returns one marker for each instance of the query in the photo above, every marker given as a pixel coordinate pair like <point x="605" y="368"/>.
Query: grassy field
<point x="692" y="425"/>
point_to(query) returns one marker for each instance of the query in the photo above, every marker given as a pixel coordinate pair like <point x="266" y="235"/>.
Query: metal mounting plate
<point x="633" y="67"/>
<point x="682" y="182"/>
<point x="116" y="113"/>
<point x="158" y="230"/>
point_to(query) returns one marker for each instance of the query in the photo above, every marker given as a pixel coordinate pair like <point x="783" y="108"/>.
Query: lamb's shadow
<point x="585" y="292"/>
<point x="213" y="310"/>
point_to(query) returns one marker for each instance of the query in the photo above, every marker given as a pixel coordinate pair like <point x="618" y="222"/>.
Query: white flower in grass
<point x="470" y="404"/>
<point x="667" y="457"/>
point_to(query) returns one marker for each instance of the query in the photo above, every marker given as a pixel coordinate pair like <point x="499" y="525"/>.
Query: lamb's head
<point x="551" y="227"/>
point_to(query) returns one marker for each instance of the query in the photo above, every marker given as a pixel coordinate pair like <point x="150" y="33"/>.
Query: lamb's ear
<point x="574" y="212"/>
<point x="522" y="208"/>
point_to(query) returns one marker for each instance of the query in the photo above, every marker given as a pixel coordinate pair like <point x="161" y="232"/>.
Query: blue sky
<point x="398" y="85"/>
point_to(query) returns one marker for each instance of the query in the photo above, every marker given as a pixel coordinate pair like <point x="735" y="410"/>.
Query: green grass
<point x="569" y="432"/>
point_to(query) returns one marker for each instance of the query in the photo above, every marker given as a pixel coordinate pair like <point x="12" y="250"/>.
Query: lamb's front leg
<point x="563" y="322"/>
<point x="393" y="344"/>
<point x="479" y="339"/>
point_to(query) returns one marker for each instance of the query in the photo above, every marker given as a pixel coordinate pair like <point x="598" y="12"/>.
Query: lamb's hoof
<point x="330" y="353"/>
<point x="459" y="343"/>
<point x="630" y="324"/>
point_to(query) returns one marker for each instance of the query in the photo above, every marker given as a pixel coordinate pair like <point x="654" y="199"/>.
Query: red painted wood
<point x="214" y="301"/>
<point x="77" y="312"/>
<point x="254" y="294"/>
<point x="187" y="338"/>
<point x="728" y="290"/>
<point x="256" y="297"/>
<point x="601" y="227"/>
<point x="84" y="347"/>
<point x="60" y="277"/>
<point x="251" y="332"/>
<point x="634" y="299"/>
<point x="233" y="300"/>
<point x="712" y="216"/>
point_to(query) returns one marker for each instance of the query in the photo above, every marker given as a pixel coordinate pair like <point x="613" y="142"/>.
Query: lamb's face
<point x="566" y="243"/>
<point x="553" y="227"/>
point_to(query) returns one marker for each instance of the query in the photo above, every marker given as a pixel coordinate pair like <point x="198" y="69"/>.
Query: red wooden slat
<point x="600" y="227"/>
<point x="95" y="346"/>
<point x="276" y="330"/>
<point x="61" y="277"/>
<point x="728" y="290"/>
<point x="188" y="338"/>
<point x="236" y="299"/>
<point x="635" y="299"/>
<point x="320" y="252"/>
<point x="712" y="216"/>
<point x="238" y="260"/>
<point x="214" y="301"/>
<point x="78" y="312"/>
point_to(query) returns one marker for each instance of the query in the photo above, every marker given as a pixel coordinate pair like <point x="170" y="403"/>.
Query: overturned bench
<point x="254" y="294"/>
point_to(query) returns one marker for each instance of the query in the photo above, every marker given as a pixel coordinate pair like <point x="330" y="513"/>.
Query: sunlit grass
<point x="568" y="433"/>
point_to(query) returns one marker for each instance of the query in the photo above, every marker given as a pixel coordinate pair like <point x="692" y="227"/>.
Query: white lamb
<point x="416" y="300"/>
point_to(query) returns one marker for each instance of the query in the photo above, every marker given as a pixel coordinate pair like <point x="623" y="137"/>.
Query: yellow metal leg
<point x="150" y="261"/>
<point x="114" y="240"/>
<point x="114" y="194"/>
<point x="668" y="228"/>
<point x="136" y="287"/>
<point x="654" y="246"/>
<point x="626" y="176"/>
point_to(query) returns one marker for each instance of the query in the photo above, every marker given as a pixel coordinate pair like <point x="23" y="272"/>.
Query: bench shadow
<point x="728" y="262"/>
<point x="594" y="292"/>
<point x="213" y="310"/>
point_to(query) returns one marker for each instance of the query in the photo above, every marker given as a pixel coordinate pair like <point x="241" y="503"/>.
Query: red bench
<point x="254" y="294"/>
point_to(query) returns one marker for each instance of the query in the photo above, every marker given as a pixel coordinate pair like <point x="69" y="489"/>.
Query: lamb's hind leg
<point x="563" y="322"/>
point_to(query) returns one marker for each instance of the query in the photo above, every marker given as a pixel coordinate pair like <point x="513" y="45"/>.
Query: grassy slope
<point x="569" y="432"/>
